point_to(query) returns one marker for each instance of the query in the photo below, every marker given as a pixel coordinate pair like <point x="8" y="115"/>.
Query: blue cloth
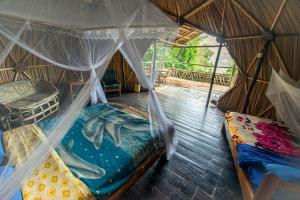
<point x="112" y="86"/>
<point x="250" y="155"/>
<point x="105" y="146"/>
<point x="284" y="172"/>
<point x="2" y="152"/>
<point x="255" y="174"/>
<point x="258" y="162"/>
<point x="5" y="172"/>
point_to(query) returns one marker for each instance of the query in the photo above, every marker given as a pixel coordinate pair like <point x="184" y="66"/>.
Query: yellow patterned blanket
<point x="52" y="180"/>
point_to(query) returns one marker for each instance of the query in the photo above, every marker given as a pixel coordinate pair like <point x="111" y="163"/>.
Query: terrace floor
<point x="202" y="167"/>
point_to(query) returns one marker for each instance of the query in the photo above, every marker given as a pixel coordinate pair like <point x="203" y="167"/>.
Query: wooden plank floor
<point x="202" y="167"/>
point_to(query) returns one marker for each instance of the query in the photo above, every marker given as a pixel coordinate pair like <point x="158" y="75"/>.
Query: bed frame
<point x="159" y="153"/>
<point x="270" y="182"/>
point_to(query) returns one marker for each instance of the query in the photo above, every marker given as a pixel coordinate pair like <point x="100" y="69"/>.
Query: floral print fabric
<point x="263" y="133"/>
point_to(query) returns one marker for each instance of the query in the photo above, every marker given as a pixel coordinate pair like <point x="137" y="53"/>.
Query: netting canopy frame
<point x="83" y="35"/>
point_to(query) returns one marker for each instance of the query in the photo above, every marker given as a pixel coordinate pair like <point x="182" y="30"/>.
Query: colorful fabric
<point x="2" y="153"/>
<point x="284" y="172"/>
<point x="52" y="180"/>
<point x="5" y="172"/>
<point x="263" y="133"/>
<point x="258" y="162"/>
<point x="105" y="146"/>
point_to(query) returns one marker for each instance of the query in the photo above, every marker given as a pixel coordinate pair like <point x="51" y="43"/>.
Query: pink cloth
<point x="274" y="137"/>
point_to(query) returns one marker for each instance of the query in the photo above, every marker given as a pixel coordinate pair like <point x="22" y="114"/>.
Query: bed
<point x="52" y="179"/>
<point x="105" y="147"/>
<point x="106" y="150"/>
<point x="266" y="155"/>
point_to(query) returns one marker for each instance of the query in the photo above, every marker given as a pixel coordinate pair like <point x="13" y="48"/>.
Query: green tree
<point x="184" y="58"/>
<point x="231" y="70"/>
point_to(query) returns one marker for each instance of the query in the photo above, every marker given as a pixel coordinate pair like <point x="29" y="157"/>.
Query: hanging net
<point x="60" y="144"/>
<point x="284" y="94"/>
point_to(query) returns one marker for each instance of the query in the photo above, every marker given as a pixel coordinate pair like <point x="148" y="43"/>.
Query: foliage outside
<point x="231" y="70"/>
<point x="192" y="59"/>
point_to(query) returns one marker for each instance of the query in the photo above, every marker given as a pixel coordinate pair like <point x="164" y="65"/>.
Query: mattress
<point x="105" y="146"/>
<point x="264" y="146"/>
<point x="262" y="133"/>
<point x="52" y="179"/>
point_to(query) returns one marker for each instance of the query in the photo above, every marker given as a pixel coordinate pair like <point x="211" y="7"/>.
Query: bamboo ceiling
<point x="186" y="33"/>
<point x="241" y="24"/>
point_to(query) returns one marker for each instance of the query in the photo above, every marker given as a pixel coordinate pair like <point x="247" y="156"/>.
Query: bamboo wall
<point x="39" y="69"/>
<point x="124" y="72"/>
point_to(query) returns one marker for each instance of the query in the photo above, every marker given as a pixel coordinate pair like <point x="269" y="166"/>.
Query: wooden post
<point x="214" y="72"/>
<point x="123" y="73"/>
<point x="154" y="63"/>
<point x="268" y="38"/>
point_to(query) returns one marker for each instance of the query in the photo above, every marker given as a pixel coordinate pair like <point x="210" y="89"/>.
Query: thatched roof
<point x="187" y="33"/>
<point x="242" y="24"/>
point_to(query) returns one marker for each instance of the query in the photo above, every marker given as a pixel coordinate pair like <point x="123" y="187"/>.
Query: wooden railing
<point x="220" y="79"/>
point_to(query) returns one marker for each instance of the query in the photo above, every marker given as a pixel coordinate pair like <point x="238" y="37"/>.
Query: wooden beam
<point x="154" y="62"/>
<point x="26" y="75"/>
<point x="259" y="80"/>
<point x="35" y="44"/>
<point x="129" y="77"/>
<point x="9" y="53"/>
<point x="186" y="35"/>
<point x="257" y="71"/>
<point x="244" y="37"/>
<point x="265" y="111"/>
<point x="253" y="61"/>
<point x="214" y="73"/>
<point x="283" y="65"/>
<point x="175" y="45"/>
<point x="236" y="84"/>
<point x="123" y="73"/>
<point x="223" y="16"/>
<point x="278" y="14"/>
<point x="200" y="7"/>
<point x="186" y="28"/>
<point x="188" y="23"/>
<point x="248" y="15"/>
<point x="287" y="34"/>
<point x="200" y="28"/>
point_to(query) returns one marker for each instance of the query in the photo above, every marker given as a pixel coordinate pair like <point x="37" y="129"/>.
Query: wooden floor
<point x="202" y="167"/>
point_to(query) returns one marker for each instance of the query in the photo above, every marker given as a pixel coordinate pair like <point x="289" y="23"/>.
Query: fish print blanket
<point x="52" y="179"/>
<point x="262" y="133"/>
<point x="105" y="146"/>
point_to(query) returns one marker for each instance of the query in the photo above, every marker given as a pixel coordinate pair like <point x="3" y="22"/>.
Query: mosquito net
<point x="284" y="94"/>
<point x="53" y="145"/>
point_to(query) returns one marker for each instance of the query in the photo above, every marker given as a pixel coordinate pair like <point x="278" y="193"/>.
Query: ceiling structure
<point x="257" y="33"/>
<point x="186" y="33"/>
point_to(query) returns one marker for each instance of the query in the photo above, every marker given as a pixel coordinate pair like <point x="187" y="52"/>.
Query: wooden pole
<point x="257" y="71"/>
<point x="198" y="9"/>
<point x="123" y="73"/>
<point x="214" y="73"/>
<point x="154" y="63"/>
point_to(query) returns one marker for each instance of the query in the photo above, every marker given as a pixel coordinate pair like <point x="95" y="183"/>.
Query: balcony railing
<point x="220" y="79"/>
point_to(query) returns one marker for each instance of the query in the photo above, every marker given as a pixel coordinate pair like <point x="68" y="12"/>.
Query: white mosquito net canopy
<point x="82" y="36"/>
<point x="284" y="94"/>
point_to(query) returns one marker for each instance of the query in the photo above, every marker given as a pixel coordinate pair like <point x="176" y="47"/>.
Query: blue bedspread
<point x="258" y="162"/>
<point x="104" y="146"/>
